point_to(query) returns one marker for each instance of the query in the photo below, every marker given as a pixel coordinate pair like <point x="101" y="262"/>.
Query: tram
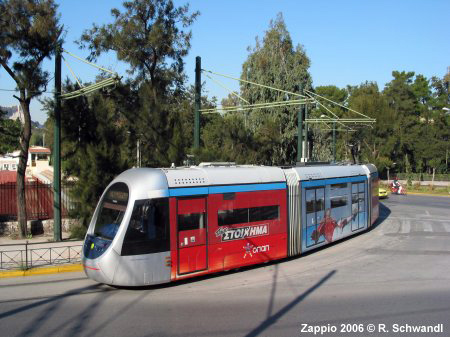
<point x="154" y="226"/>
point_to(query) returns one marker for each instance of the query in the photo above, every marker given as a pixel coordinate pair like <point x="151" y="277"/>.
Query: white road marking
<point x="406" y="227"/>
<point x="446" y="226"/>
<point x="427" y="227"/>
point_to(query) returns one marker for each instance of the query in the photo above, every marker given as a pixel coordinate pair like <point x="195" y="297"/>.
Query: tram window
<point x="320" y="199"/>
<point x="338" y="201"/>
<point x="244" y="215"/>
<point x="111" y="212"/>
<point x="191" y="221"/>
<point x="264" y="213"/>
<point x="148" y="230"/>
<point x="232" y="216"/>
<point x="310" y="200"/>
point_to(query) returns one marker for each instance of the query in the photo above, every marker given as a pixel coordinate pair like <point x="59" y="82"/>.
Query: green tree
<point x="29" y="32"/>
<point x="95" y="144"/>
<point x="9" y="134"/>
<point x="152" y="36"/>
<point x="375" y="143"/>
<point x="275" y="62"/>
<point x="320" y="134"/>
<point x="228" y="139"/>
<point x="149" y="36"/>
<point x="403" y="106"/>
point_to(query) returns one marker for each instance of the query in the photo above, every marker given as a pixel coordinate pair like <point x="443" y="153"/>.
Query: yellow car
<point x="382" y="193"/>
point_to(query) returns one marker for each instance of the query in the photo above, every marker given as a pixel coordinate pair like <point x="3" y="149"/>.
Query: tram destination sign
<point x="230" y="234"/>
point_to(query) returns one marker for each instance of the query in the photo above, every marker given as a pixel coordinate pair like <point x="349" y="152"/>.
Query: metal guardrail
<point x="29" y="257"/>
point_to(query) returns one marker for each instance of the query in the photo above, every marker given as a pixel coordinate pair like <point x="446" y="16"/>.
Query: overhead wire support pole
<point x="197" y="103"/>
<point x="334" y="141"/>
<point x="57" y="149"/>
<point x="306" y="149"/>
<point x="300" y="133"/>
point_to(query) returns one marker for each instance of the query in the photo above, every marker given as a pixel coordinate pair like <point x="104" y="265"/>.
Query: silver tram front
<point x="128" y="240"/>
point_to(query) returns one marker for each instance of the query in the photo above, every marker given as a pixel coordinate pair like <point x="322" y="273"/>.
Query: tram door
<point x="315" y="212"/>
<point x="192" y="234"/>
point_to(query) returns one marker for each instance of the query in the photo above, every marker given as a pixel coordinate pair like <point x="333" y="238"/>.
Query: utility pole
<point x="334" y="141"/>
<point x="300" y="134"/>
<point x="306" y="149"/>
<point x="57" y="150"/>
<point x="197" y="107"/>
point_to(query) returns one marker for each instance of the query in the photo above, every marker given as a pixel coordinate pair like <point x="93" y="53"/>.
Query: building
<point x="38" y="161"/>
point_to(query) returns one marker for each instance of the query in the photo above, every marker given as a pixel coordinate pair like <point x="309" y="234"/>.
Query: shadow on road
<point x="383" y="215"/>
<point x="80" y="291"/>
<point x="272" y="319"/>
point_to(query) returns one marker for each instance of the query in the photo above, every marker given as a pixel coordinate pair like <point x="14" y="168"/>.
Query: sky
<point x="348" y="41"/>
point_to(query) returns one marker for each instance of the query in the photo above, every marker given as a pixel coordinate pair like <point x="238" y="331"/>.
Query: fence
<point x="38" y="255"/>
<point x="39" y="201"/>
<point x="421" y="176"/>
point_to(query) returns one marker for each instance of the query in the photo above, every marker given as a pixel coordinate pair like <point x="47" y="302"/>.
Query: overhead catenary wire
<point x="90" y="63"/>
<point x="329" y="100"/>
<point x="229" y="90"/>
<point x="70" y="69"/>
<point x="84" y="90"/>
<point x="89" y="89"/>
<point x="337" y="118"/>
<point x="33" y="91"/>
<point x="253" y="83"/>
<point x="310" y="97"/>
<point x="255" y="106"/>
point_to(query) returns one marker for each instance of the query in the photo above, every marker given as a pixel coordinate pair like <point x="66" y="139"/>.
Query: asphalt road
<point x="397" y="273"/>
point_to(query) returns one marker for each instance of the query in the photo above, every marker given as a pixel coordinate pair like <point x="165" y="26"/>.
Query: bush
<point x="77" y="231"/>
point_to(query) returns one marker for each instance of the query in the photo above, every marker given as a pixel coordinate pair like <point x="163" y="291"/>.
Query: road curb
<point x="42" y="271"/>
<point x="429" y="195"/>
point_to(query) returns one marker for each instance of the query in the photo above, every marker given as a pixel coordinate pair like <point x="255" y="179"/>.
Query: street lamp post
<point x="138" y="154"/>
<point x="334" y="135"/>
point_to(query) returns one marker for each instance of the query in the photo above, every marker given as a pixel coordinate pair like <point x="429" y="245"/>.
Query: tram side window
<point x="191" y="221"/>
<point x="338" y="201"/>
<point x="246" y="215"/>
<point x="264" y="213"/>
<point x="148" y="230"/>
<point x="232" y="216"/>
<point x="310" y="200"/>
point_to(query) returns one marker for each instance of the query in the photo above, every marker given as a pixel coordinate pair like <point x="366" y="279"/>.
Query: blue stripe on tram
<point x="177" y="192"/>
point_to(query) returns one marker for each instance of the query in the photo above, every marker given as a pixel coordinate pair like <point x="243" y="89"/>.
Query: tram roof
<point x="210" y="175"/>
<point x="326" y="171"/>
<point x="215" y="175"/>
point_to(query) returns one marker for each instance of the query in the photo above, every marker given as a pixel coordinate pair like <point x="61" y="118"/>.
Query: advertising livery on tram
<point x="154" y="226"/>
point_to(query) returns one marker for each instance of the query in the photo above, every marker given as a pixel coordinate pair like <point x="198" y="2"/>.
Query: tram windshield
<point x="148" y="230"/>
<point x="111" y="212"/>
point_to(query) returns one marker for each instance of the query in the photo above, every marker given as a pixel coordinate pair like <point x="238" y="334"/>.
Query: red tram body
<point x="154" y="226"/>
